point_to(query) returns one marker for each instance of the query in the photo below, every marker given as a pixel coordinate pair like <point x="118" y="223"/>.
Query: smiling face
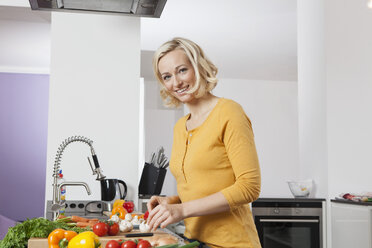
<point x="177" y="74"/>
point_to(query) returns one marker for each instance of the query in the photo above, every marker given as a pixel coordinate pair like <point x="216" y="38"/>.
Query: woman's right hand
<point x="156" y="200"/>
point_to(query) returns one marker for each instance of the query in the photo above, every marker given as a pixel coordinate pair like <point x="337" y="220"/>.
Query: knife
<point x="152" y="158"/>
<point x="139" y="234"/>
<point x="166" y="165"/>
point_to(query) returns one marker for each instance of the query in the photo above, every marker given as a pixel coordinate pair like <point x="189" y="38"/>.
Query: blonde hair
<point x="205" y="70"/>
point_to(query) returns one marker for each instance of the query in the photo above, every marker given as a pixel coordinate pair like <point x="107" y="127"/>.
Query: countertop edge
<point x="352" y="202"/>
<point x="299" y="199"/>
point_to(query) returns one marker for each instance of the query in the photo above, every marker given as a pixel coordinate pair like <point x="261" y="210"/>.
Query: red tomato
<point x="129" y="206"/>
<point x="144" y="244"/>
<point x="146" y="215"/>
<point x="100" y="229"/>
<point x="113" y="229"/>
<point x="112" y="244"/>
<point x="129" y="244"/>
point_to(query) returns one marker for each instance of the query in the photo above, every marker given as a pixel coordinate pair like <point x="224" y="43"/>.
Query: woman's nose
<point x="177" y="81"/>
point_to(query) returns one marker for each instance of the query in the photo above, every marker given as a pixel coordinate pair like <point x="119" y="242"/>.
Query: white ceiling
<point x="248" y="39"/>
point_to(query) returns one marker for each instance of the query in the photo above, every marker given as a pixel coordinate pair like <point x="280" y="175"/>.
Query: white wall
<point x="335" y="94"/>
<point x="312" y="95"/>
<point x="272" y="109"/>
<point x="25" y="40"/>
<point x="94" y="92"/>
<point x="349" y="96"/>
<point x="159" y="123"/>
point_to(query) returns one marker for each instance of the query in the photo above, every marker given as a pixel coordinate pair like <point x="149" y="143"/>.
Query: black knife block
<point x="152" y="180"/>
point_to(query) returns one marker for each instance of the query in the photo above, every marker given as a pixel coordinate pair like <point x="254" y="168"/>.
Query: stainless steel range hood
<point x="144" y="8"/>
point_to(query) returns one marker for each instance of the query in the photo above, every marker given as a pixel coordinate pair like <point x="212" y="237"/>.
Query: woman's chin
<point x="186" y="98"/>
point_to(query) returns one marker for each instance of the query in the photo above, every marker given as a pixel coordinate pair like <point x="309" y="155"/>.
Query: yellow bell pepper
<point x="118" y="202"/>
<point x="85" y="240"/>
<point x="119" y="211"/>
<point x="59" y="238"/>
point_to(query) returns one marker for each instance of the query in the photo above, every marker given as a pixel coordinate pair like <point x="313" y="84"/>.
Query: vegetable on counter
<point x="112" y="244"/>
<point x="85" y="240"/>
<point x="161" y="241"/>
<point x="18" y="235"/>
<point x="83" y="222"/>
<point x="106" y="228"/>
<point x="146" y="215"/>
<point x="59" y="238"/>
<point x="129" y="206"/>
<point x="119" y="211"/>
<point x="76" y="218"/>
<point x="144" y="244"/>
<point x="190" y="245"/>
<point x="128" y="244"/>
<point x="113" y="228"/>
<point x="118" y="202"/>
<point x="100" y="229"/>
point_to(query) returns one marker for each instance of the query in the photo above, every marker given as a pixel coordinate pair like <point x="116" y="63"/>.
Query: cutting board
<point x="43" y="242"/>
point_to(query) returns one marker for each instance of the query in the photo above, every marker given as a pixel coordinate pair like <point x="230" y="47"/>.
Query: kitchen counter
<point x="299" y="199"/>
<point x="352" y="202"/>
<point x="43" y="242"/>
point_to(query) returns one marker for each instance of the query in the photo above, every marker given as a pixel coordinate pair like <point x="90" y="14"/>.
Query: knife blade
<point x="139" y="234"/>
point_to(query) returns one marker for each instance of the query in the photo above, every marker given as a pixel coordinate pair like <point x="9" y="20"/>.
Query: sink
<point x="88" y="209"/>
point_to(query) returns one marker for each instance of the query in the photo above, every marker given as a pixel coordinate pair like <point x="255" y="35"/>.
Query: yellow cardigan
<point x="219" y="156"/>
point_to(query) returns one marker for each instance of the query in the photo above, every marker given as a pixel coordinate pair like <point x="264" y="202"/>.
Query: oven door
<point x="288" y="231"/>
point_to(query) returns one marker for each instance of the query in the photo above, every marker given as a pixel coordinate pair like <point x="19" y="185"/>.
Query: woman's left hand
<point x="165" y="214"/>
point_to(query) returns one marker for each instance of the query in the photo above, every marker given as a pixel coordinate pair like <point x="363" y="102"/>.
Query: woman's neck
<point x="201" y="106"/>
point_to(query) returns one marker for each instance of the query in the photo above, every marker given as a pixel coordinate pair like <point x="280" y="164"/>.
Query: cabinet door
<point x="351" y="226"/>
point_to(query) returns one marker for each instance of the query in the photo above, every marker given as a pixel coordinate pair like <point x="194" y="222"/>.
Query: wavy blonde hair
<point x="205" y="70"/>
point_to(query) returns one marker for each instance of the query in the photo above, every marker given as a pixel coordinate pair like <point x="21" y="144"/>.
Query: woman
<point x="213" y="159"/>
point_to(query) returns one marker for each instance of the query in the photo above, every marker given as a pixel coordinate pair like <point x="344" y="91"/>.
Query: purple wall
<point x="23" y="144"/>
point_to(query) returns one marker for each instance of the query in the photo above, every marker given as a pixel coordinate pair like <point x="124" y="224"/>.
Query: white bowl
<point x="300" y="188"/>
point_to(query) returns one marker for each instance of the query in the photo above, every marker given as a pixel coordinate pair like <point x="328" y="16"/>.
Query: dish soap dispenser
<point x="63" y="193"/>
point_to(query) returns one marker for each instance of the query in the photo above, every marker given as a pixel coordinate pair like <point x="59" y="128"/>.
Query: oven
<point x="289" y="223"/>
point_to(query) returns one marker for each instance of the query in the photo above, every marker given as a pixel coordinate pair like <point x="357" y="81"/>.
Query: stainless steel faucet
<point x="57" y="205"/>
<point x="72" y="184"/>
<point x="56" y="202"/>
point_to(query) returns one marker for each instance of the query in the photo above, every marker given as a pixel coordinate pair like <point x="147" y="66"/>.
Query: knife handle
<point x="139" y="234"/>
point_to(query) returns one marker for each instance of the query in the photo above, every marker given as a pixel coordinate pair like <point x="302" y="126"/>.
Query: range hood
<point x="144" y="8"/>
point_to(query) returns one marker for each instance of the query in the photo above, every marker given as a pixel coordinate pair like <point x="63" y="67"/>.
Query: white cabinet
<point x="351" y="225"/>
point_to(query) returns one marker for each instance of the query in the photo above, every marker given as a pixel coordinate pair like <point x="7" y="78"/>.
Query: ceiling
<point x="246" y="39"/>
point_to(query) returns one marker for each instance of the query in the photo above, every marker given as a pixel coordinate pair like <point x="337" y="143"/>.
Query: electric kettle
<point x="111" y="190"/>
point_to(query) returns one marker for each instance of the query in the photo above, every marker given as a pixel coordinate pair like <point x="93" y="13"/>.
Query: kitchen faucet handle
<point x="90" y="163"/>
<point x="97" y="171"/>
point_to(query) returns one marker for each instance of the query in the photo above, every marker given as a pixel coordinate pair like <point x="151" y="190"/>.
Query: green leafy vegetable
<point x="18" y="235"/>
<point x="190" y="245"/>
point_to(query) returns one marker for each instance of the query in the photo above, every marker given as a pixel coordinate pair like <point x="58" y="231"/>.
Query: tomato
<point x="100" y="229"/>
<point x="113" y="228"/>
<point x="144" y="244"/>
<point x="146" y="215"/>
<point x="129" y="244"/>
<point x="112" y="244"/>
<point x="129" y="206"/>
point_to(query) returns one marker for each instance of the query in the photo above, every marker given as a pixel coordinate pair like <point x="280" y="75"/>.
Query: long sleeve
<point x="241" y="150"/>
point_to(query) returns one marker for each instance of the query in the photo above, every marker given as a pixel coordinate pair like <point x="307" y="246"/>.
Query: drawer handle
<point x="289" y="220"/>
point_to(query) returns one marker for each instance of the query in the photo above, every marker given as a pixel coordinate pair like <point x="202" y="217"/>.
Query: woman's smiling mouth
<point x="180" y="91"/>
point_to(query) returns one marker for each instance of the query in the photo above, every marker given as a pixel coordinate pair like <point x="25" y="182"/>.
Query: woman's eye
<point x="166" y="78"/>
<point x="183" y="70"/>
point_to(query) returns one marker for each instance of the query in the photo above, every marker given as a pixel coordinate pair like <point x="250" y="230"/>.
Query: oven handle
<point x="289" y="220"/>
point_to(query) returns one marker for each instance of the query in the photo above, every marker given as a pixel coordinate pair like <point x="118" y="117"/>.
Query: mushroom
<point x="144" y="227"/>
